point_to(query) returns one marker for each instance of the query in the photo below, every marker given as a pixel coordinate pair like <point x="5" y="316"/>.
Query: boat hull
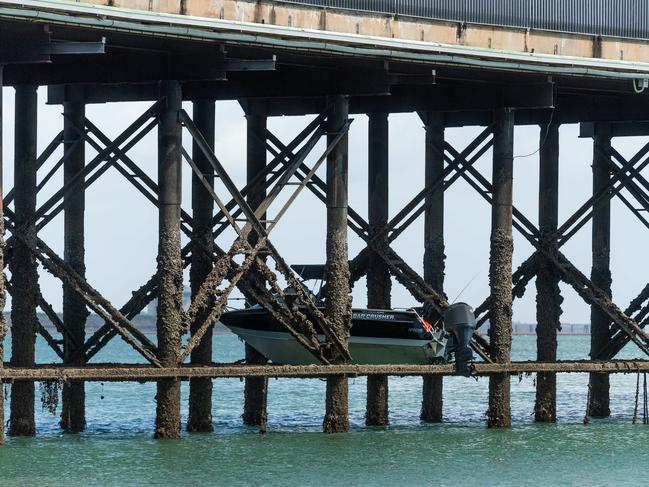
<point x="377" y="337"/>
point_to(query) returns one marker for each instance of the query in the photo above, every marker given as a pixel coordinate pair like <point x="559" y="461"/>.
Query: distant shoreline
<point x="147" y="324"/>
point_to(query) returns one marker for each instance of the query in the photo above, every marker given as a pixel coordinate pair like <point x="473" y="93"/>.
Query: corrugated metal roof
<point x="616" y="18"/>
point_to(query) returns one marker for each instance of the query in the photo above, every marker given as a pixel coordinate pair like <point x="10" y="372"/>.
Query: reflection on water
<point x="117" y="448"/>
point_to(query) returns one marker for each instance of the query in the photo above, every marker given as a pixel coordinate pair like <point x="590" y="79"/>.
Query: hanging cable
<point x="542" y="144"/>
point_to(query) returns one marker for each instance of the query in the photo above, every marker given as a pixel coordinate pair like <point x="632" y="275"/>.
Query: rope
<point x="645" y="412"/>
<point x="637" y="397"/>
<point x="588" y="399"/>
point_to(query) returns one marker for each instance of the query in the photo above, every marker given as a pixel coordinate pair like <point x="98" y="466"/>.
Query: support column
<point x="600" y="273"/>
<point x="431" y="405"/>
<point x="73" y="416"/>
<point x="256" y="388"/>
<point x="170" y="269"/>
<point x="200" y="390"/>
<point x="500" y="267"/>
<point x="548" y="295"/>
<point x="379" y="284"/>
<point x="337" y="301"/>
<point x="3" y="323"/>
<point x="24" y="275"/>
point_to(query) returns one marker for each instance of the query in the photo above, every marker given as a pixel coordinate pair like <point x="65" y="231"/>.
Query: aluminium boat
<point x="376" y="337"/>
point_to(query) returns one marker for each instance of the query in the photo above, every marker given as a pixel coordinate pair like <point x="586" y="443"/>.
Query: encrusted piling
<point x="3" y="323"/>
<point x="432" y="394"/>
<point x="337" y="299"/>
<point x="600" y="273"/>
<point x="548" y="295"/>
<point x="73" y="417"/>
<point x="24" y="274"/>
<point x="200" y="389"/>
<point x="255" y="388"/>
<point x="500" y="267"/>
<point x="170" y="269"/>
<point x="379" y="284"/>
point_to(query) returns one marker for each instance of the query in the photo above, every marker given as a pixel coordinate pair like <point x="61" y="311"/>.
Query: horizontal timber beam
<point x="110" y="68"/>
<point x="299" y="93"/>
<point x="141" y="373"/>
<point x="588" y="130"/>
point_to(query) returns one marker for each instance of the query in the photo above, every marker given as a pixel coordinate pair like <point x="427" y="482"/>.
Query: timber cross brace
<point x="624" y="175"/>
<point x="253" y="275"/>
<point x="288" y="163"/>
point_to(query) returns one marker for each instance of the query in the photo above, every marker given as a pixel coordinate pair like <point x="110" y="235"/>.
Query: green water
<point x="117" y="448"/>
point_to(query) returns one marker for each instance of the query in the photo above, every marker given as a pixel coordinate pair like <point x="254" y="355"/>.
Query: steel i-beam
<point x="170" y="268"/>
<point x="500" y="267"/>
<point x="379" y="283"/>
<point x="600" y="273"/>
<point x="24" y="274"/>
<point x="432" y="399"/>
<point x="74" y="309"/>
<point x="548" y="297"/>
<point x="337" y="299"/>
<point x="255" y="388"/>
<point x="200" y="390"/>
<point x="3" y="324"/>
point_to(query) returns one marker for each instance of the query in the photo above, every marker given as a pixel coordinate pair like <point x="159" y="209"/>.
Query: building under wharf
<point x="493" y="64"/>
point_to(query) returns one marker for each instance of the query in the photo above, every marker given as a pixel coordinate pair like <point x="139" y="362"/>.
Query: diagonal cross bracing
<point x="402" y="272"/>
<point x="212" y="308"/>
<point x="91" y="297"/>
<point x="148" y="291"/>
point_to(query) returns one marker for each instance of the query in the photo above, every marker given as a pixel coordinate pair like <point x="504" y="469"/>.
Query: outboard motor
<point x="459" y="323"/>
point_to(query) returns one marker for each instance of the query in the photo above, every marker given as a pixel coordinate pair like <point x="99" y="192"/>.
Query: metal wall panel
<point x="453" y="10"/>
<point x="499" y="12"/>
<point x="618" y="18"/>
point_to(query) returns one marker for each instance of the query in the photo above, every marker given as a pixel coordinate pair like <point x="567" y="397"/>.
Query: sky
<point x="121" y="225"/>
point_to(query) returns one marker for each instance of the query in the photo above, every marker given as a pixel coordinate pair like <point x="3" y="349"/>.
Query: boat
<point x="376" y="337"/>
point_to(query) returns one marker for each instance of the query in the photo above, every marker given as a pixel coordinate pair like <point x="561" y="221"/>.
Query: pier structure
<point x="477" y="65"/>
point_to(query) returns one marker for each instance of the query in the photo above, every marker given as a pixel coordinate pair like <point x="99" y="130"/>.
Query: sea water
<point x="118" y="449"/>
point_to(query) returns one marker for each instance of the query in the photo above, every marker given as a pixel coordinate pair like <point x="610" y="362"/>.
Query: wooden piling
<point x="24" y="275"/>
<point x="432" y="394"/>
<point x="170" y="269"/>
<point x="600" y="272"/>
<point x="337" y="299"/>
<point x="500" y="266"/>
<point x="255" y="388"/>
<point x="379" y="284"/>
<point x="200" y="389"/>
<point x="75" y="313"/>
<point x="548" y="295"/>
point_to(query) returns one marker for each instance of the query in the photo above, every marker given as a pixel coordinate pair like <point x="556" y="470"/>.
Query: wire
<point x="542" y="144"/>
<point x="465" y="287"/>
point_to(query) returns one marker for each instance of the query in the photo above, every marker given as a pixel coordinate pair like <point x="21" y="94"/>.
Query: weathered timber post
<point x="3" y="323"/>
<point x="600" y="272"/>
<point x="255" y="388"/>
<point x="337" y="299"/>
<point x="75" y="313"/>
<point x="379" y="284"/>
<point x="24" y="274"/>
<point x="500" y="267"/>
<point x="170" y="269"/>
<point x="432" y="400"/>
<point x="548" y="295"/>
<point x="200" y="389"/>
